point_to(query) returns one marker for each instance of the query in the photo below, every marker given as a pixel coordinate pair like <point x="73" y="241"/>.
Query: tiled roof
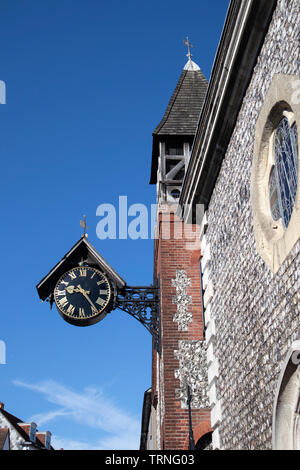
<point x="14" y="421"/>
<point x="81" y="250"/>
<point x="182" y="113"/>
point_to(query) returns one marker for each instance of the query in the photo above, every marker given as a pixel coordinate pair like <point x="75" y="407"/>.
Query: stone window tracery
<point x="284" y="172"/>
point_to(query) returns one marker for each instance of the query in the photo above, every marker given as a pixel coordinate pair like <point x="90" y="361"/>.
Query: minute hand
<point x="83" y="292"/>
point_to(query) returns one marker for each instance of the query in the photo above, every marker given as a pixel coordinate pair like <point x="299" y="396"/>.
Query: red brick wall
<point x="171" y="255"/>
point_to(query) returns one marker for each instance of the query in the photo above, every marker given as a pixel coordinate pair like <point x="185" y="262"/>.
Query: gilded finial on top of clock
<point x="84" y="226"/>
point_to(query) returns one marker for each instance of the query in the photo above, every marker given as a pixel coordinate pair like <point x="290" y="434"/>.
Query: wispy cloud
<point x="44" y="418"/>
<point x="91" y="408"/>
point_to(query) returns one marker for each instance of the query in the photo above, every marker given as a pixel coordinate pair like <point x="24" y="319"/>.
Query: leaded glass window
<point x="284" y="173"/>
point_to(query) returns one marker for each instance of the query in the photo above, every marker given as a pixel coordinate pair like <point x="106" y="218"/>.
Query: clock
<point x="82" y="295"/>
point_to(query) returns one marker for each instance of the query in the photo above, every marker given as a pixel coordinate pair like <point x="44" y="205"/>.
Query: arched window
<point x="275" y="175"/>
<point x="284" y="172"/>
<point x="286" y="412"/>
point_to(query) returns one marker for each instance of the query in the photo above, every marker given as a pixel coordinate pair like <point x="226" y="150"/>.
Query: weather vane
<point x="84" y="226"/>
<point x="189" y="45"/>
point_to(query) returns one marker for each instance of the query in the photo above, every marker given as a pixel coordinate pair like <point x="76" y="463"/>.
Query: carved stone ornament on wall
<point x="182" y="300"/>
<point x="192" y="371"/>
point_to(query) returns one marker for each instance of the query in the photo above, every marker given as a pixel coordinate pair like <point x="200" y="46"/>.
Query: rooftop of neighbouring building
<point x="27" y="432"/>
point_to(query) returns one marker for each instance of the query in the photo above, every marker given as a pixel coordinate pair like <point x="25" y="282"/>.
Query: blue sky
<point x="86" y="84"/>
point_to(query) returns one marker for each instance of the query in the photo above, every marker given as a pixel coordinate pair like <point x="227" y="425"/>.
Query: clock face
<point x="81" y="295"/>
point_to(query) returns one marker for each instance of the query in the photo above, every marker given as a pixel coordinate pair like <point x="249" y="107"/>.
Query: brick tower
<point x="179" y="367"/>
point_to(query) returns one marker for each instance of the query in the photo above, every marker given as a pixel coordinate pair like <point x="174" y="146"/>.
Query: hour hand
<point x="85" y="294"/>
<point x="72" y="289"/>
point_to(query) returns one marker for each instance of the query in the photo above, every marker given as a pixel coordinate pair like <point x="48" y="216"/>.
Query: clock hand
<point x="72" y="289"/>
<point x="84" y="293"/>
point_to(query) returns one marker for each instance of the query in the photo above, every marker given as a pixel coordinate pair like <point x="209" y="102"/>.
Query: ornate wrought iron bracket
<point x="142" y="303"/>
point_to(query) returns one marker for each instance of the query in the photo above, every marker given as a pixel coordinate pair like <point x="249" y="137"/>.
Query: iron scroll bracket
<point x="142" y="303"/>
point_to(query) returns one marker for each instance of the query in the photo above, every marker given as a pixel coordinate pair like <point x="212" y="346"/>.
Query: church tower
<point x="174" y="135"/>
<point x="179" y="416"/>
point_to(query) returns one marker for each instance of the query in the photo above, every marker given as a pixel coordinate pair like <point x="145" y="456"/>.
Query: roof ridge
<point x="14" y="421"/>
<point x="10" y="417"/>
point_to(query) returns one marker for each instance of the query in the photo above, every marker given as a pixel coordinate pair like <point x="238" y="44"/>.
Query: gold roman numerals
<point x="100" y="301"/>
<point x="64" y="301"/>
<point x="60" y="292"/>
<point x="81" y="312"/>
<point x="71" y="309"/>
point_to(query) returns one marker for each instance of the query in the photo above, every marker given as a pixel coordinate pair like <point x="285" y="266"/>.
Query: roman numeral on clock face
<point x="82" y="272"/>
<point x="100" y="301"/>
<point x="72" y="275"/>
<point x="70" y="309"/>
<point x="81" y="312"/>
<point x="61" y="292"/>
<point x="64" y="301"/>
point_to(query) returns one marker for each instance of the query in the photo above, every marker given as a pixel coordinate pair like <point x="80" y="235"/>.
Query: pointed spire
<point x="182" y="113"/>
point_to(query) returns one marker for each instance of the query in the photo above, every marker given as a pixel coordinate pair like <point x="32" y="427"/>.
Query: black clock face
<point x="82" y="294"/>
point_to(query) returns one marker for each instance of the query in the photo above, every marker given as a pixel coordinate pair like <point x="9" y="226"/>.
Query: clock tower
<point x="177" y="415"/>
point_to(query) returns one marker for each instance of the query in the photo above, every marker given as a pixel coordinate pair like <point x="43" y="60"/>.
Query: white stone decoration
<point x="192" y="371"/>
<point x="182" y="300"/>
